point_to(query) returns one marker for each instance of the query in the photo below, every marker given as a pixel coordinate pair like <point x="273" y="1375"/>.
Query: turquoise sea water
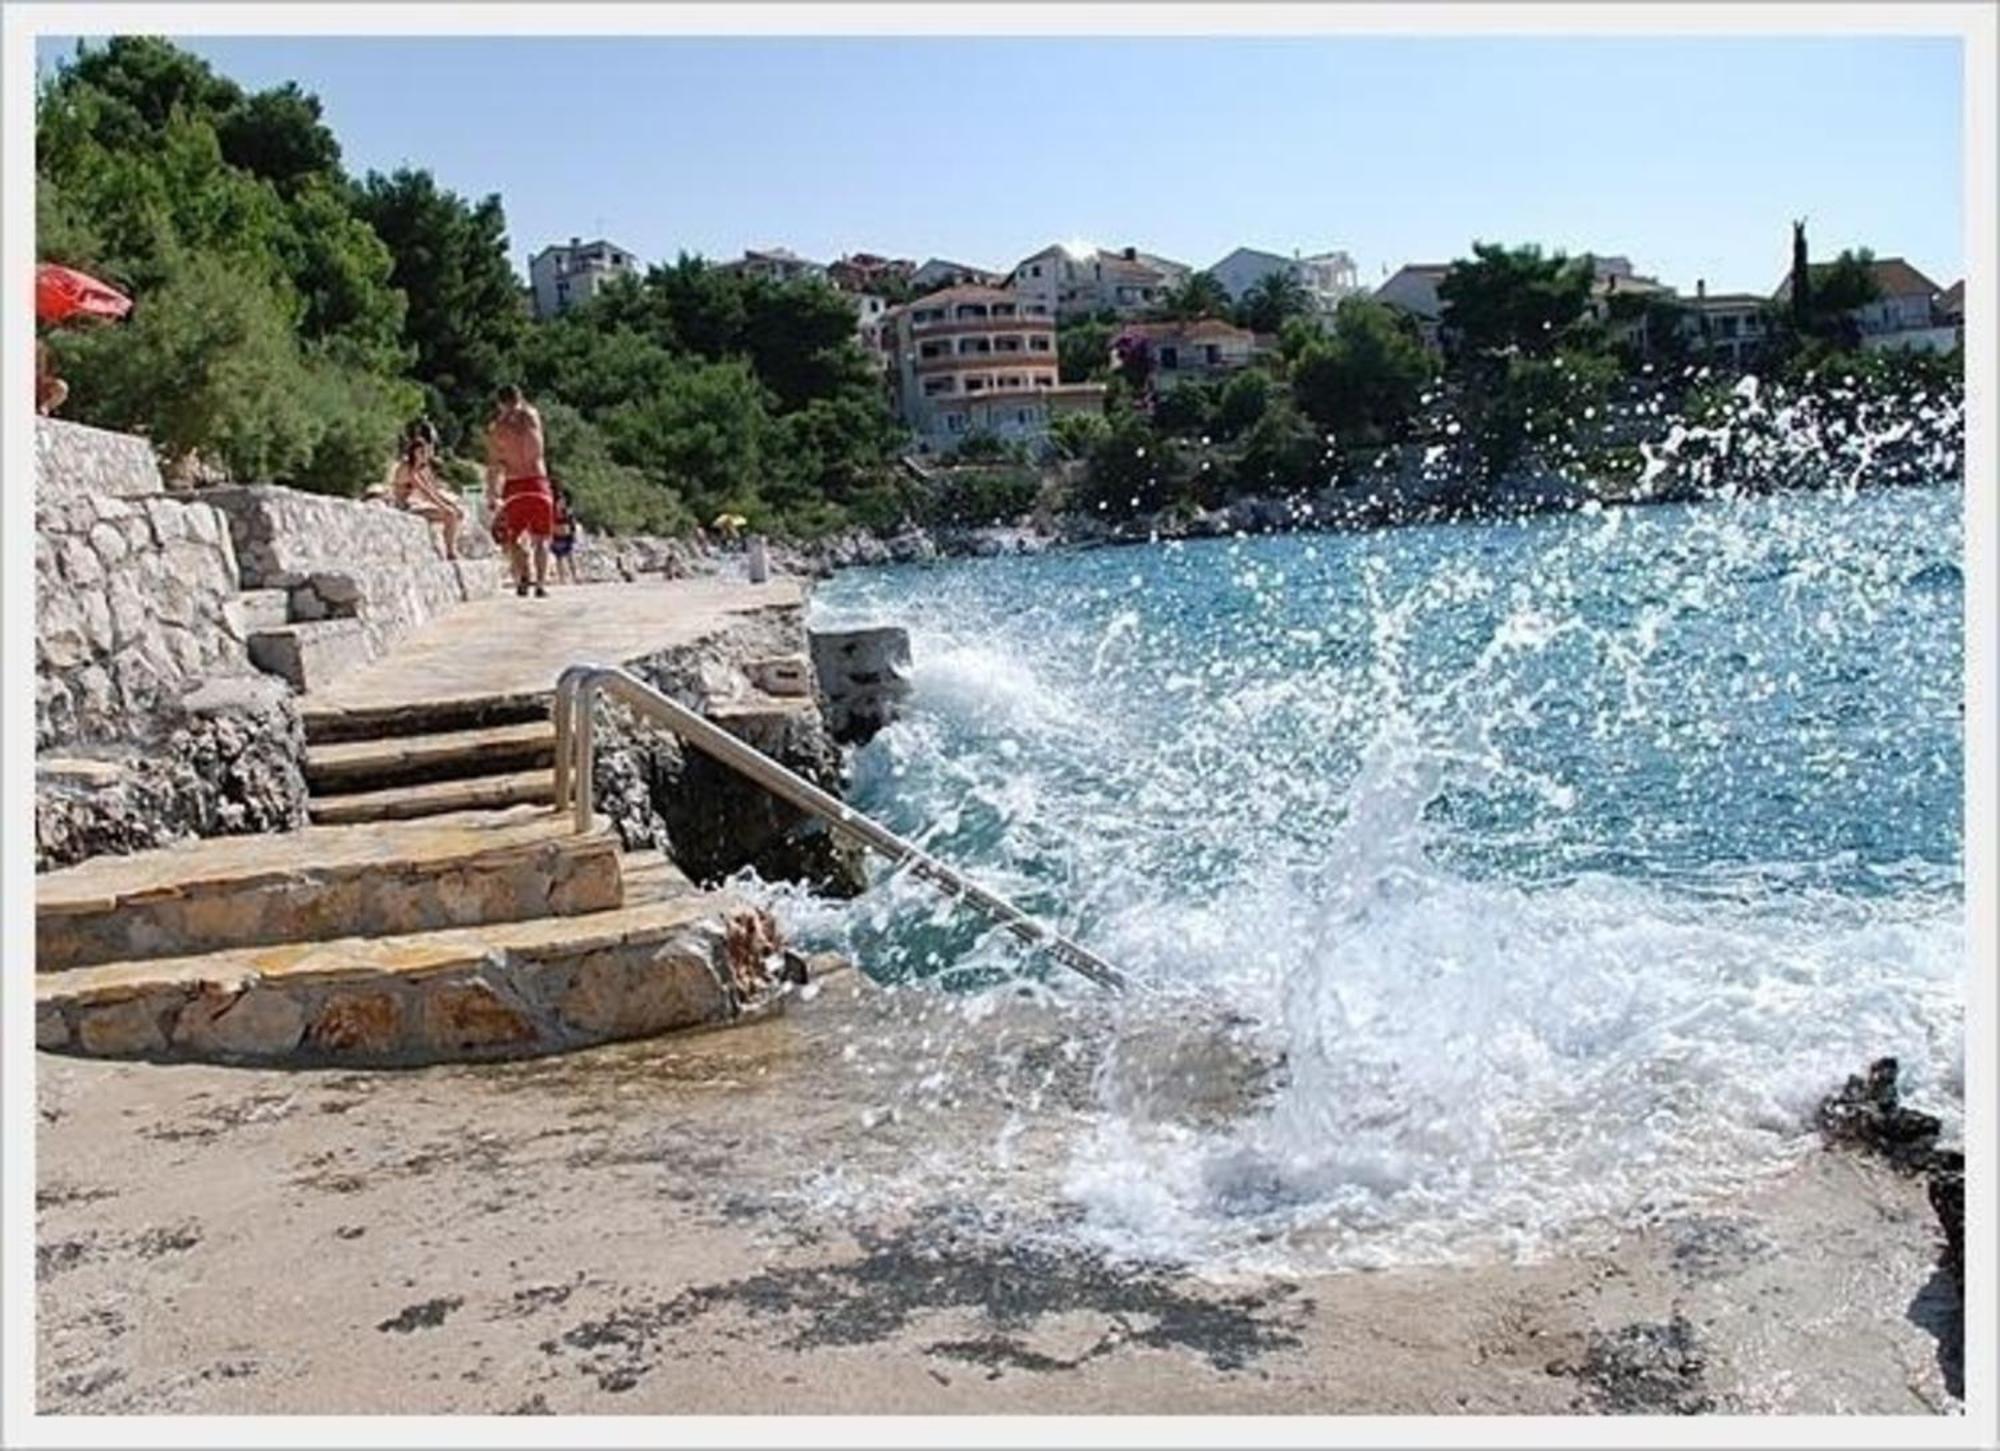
<point x="1563" y="862"/>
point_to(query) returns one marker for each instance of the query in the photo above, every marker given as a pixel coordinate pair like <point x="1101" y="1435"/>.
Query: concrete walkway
<point x="504" y="646"/>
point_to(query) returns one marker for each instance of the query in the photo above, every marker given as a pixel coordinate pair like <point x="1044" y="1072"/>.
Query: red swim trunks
<point x="527" y="506"/>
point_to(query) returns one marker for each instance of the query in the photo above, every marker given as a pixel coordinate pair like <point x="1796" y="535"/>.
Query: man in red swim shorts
<point x="518" y="477"/>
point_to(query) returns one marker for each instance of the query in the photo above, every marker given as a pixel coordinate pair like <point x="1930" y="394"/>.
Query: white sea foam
<point x="1521" y="984"/>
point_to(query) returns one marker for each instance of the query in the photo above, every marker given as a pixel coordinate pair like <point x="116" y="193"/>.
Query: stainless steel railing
<point x="578" y="690"/>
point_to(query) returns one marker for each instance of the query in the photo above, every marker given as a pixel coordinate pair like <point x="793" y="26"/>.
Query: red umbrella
<point x="62" y="293"/>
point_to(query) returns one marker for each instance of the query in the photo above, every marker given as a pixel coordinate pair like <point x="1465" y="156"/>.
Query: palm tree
<point x="1275" y="297"/>
<point x="1200" y="295"/>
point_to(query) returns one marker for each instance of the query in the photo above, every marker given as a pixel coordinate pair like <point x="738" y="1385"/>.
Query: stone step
<point x="326" y="725"/>
<point x="509" y="990"/>
<point x="353" y="766"/>
<point x="436" y="798"/>
<point x="310" y="656"/>
<point x="262" y="609"/>
<point x="323" y="881"/>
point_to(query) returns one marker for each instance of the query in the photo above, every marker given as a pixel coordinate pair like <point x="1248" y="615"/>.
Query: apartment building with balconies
<point x="563" y="277"/>
<point x="1082" y="281"/>
<point x="975" y="359"/>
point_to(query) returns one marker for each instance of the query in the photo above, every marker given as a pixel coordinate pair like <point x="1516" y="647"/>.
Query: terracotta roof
<point x="1893" y="278"/>
<point x="1199" y="330"/>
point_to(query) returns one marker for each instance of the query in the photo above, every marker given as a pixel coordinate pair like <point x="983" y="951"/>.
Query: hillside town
<point x="969" y="351"/>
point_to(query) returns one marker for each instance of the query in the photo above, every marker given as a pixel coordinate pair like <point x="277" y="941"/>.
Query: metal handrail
<point x="575" y="708"/>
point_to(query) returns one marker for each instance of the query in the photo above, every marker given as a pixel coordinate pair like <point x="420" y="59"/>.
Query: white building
<point x="1080" y="281"/>
<point x="1414" y="290"/>
<point x="1903" y="314"/>
<point x="970" y="360"/>
<point x="869" y="311"/>
<point x="562" y="276"/>
<point x="937" y="273"/>
<point x="1730" y="326"/>
<point x="776" y="264"/>
<point x="1327" y="277"/>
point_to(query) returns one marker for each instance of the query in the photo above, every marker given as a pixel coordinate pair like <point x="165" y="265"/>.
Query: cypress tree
<point x="1800" y="280"/>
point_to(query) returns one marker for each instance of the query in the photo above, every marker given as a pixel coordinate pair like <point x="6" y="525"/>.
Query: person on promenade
<point x="50" y="390"/>
<point x="518" y="476"/>
<point x="413" y="484"/>
<point x="563" y="543"/>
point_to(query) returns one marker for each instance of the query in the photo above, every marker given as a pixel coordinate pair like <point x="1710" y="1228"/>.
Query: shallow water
<point x="1553" y="868"/>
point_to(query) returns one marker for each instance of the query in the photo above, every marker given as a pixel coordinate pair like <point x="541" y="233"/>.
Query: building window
<point x="954" y="423"/>
<point x="974" y="345"/>
<point x="971" y="309"/>
<point x="1170" y="359"/>
<point x="1211" y="355"/>
<point x="929" y="314"/>
<point x="1006" y="345"/>
<point x="934" y="386"/>
<point x="975" y="385"/>
<point x="1038" y="345"/>
<point x="933" y="350"/>
<point x="1036" y="270"/>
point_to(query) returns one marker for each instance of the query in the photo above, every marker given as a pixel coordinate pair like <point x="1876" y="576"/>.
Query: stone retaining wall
<point x="341" y="558"/>
<point x="133" y="590"/>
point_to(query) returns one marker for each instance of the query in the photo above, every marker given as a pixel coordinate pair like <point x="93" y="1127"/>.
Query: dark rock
<point x="1947" y="1196"/>
<point x="1644" y="1370"/>
<point x="225" y="760"/>
<point x="1867" y="1113"/>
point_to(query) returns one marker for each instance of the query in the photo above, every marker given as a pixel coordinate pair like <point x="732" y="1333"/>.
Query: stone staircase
<point x="462" y="935"/>
<point x="470" y="753"/>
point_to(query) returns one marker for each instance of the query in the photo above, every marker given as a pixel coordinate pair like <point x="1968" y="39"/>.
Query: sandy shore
<point x="697" y="1224"/>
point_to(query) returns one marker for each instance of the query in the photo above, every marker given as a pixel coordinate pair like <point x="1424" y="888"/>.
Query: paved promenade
<point x="503" y="646"/>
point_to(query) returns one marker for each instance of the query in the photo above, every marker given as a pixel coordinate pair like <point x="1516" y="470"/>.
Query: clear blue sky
<point x="1689" y="155"/>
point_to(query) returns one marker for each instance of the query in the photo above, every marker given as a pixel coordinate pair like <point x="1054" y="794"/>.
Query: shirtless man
<point x="518" y="477"/>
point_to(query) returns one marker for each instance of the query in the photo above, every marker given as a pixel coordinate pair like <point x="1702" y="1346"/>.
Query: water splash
<point x="1552" y="869"/>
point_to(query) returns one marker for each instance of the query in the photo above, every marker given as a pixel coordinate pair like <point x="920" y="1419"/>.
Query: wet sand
<point x="700" y="1224"/>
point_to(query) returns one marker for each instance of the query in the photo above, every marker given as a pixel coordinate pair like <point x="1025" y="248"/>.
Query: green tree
<point x="466" y="318"/>
<point x="607" y="495"/>
<point x="1514" y="299"/>
<point x="1282" y="453"/>
<point x="1132" y="470"/>
<point x="1184" y="408"/>
<point x="1272" y="301"/>
<point x="1083" y="351"/>
<point x="1362" y="379"/>
<point x="1075" y="435"/>
<point x="1242" y="403"/>
<point x="1200" y="295"/>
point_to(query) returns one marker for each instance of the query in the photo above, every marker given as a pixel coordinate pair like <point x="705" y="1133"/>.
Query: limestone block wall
<point x="344" y="558"/>
<point x="132" y="589"/>
<point x="150" y="722"/>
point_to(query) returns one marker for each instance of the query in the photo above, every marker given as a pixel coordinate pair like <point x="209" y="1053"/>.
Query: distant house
<point x="1613" y="280"/>
<point x="1193" y="351"/>
<point x="1078" y="282"/>
<point x="938" y="273"/>
<point x="1728" y="326"/>
<point x="1327" y="277"/>
<point x="974" y="359"/>
<point x="777" y="264"/>
<point x="1901" y="316"/>
<point x="1950" y="310"/>
<point x="869" y="311"/>
<point x="868" y="272"/>
<point x="1413" y="291"/>
<point x="561" y="277"/>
